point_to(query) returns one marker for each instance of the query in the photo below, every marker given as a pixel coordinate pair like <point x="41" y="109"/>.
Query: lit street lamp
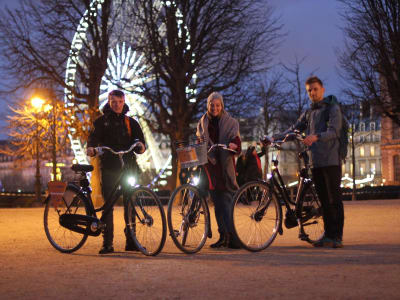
<point x="37" y="104"/>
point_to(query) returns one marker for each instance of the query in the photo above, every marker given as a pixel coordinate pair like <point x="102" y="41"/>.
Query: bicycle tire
<point x="188" y="219"/>
<point x="256" y="216"/>
<point x="61" y="238"/>
<point x="309" y="211"/>
<point x="146" y="221"/>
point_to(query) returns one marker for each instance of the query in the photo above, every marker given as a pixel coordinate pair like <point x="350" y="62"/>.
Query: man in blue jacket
<point x="322" y="125"/>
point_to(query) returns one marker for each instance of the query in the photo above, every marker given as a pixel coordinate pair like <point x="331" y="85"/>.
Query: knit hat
<point x="215" y="95"/>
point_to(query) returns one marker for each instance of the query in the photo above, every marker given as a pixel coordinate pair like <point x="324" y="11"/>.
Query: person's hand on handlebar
<point x="310" y="139"/>
<point x="140" y="148"/>
<point x="232" y="146"/>
<point x="90" y="151"/>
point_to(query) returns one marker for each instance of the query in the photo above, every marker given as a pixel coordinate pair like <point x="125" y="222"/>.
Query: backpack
<point x="344" y="131"/>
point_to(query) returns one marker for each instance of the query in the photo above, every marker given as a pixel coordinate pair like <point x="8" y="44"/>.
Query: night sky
<point x="313" y="31"/>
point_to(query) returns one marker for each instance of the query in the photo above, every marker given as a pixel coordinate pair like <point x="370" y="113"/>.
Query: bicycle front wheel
<point x="61" y="238"/>
<point x="188" y="219"/>
<point x="309" y="211"/>
<point x="146" y="221"/>
<point x="256" y="216"/>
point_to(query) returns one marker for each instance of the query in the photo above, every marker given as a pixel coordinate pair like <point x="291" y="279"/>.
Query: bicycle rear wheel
<point x="61" y="238"/>
<point x="309" y="210"/>
<point x="256" y="216"/>
<point x="188" y="219"/>
<point x="146" y="221"/>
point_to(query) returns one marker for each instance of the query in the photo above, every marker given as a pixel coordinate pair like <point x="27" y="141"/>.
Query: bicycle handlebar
<point x="100" y="150"/>
<point x="266" y="140"/>
<point x="222" y="146"/>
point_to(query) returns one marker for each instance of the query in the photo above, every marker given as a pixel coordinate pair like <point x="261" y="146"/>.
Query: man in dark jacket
<point x="322" y="125"/>
<point x="115" y="130"/>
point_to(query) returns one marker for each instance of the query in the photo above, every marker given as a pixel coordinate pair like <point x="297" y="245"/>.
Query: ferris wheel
<point x="124" y="71"/>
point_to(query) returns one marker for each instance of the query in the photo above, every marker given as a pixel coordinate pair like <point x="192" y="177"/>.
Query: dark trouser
<point x="327" y="183"/>
<point x="222" y="203"/>
<point x="108" y="180"/>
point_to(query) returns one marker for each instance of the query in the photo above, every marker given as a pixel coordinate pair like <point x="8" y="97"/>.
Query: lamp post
<point x="37" y="104"/>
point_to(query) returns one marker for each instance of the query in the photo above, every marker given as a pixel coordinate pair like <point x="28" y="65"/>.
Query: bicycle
<point x="257" y="206"/>
<point x="70" y="216"/>
<point x="188" y="213"/>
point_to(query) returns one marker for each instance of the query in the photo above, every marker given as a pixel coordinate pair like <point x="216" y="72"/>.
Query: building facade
<point x="390" y="149"/>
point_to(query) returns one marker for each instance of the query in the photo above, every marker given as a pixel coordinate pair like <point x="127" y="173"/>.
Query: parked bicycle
<point x="71" y="217"/>
<point x="257" y="206"/>
<point x="188" y="214"/>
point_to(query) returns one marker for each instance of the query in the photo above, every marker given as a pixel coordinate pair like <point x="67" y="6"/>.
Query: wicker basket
<point x="191" y="155"/>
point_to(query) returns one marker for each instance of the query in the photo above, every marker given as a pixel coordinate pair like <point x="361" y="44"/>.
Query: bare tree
<point x="193" y="48"/>
<point x="272" y="93"/>
<point x="370" y="60"/>
<point x="35" y="42"/>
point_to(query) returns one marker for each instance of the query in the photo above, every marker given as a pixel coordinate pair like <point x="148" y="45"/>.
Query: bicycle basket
<point x="191" y="155"/>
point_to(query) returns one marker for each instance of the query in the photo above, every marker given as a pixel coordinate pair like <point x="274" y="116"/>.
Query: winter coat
<point x="325" y="151"/>
<point x="111" y="130"/>
<point x="221" y="166"/>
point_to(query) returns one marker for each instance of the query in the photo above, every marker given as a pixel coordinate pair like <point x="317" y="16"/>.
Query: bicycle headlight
<point x="131" y="181"/>
<point x="195" y="180"/>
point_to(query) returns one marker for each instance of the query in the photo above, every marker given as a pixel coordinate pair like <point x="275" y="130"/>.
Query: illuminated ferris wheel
<point x="124" y="71"/>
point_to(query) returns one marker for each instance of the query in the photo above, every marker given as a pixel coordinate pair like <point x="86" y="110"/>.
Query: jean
<point x="222" y="204"/>
<point x="327" y="183"/>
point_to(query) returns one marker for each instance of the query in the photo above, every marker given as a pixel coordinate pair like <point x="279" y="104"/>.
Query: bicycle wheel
<point x="256" y="216"/>
<point x="146" y="221"/>
<point x="309" y="210"/>
<point x="62" y="238"/>
<point x="188" y="219"/>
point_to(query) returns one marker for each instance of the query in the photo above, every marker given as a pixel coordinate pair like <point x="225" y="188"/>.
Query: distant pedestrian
<point x="248" y="166"/>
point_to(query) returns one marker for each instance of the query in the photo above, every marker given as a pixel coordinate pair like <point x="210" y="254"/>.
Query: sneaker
<point x="106" y="250"/>
<point x="337" y="244"/>
<point x="324" y="242"/>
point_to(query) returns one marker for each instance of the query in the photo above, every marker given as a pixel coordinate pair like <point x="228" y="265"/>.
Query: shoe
<point x="131" y="247"/>
<point x="337" y="243"/>
<point x="233" y="245"/>
<point x="220" y="243"/>
<point x="106" y="250"/>
<point x="324" y="242"/>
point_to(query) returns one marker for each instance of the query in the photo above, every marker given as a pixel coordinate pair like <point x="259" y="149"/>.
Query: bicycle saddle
<point x="82" y="168"/>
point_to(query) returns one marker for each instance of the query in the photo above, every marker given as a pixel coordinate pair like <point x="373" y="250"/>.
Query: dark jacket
<point x="110" y="130"/>
<point x="324" y="152"/>
<point x="248" y="166"/>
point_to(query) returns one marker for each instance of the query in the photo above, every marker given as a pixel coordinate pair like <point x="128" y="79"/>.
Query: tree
<point x="271" y="92"/>
<point x="35" y="42"/>
<point x="370" y="60"/>
<point x="193" y="48"/>
<point x="38" y="133"/>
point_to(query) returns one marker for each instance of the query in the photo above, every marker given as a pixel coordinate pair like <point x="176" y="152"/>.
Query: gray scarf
<point x="228" y="130"/>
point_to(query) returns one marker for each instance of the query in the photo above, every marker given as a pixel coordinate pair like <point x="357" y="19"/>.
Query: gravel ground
<point x="368" y="267"/>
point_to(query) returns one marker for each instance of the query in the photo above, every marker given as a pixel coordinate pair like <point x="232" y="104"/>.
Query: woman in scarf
<point x="216" y="126"/>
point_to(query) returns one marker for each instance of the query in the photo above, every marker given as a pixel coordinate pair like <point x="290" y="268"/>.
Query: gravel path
<point x="368" y="267"/>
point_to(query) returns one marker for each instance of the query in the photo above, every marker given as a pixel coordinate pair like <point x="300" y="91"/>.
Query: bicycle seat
<point x="82" y="168"/>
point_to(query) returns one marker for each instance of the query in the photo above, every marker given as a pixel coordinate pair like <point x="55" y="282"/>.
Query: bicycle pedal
<point x="303" y="236"/>
<point x="175" y="233"/>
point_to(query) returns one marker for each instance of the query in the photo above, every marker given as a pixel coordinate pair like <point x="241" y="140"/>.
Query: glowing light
<point x="132" y="181"/>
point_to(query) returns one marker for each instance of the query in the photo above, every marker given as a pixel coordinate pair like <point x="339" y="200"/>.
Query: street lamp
<point x="37" y="104"/>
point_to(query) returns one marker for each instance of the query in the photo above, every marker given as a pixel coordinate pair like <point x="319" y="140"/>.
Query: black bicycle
<point x="257" y="206"/>
<point x="188" y="213"/>
<point x="70" y="216"/>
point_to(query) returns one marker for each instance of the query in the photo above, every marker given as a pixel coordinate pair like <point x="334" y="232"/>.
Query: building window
<point x="362" y="168"/>
<point x="362" y="151"/>
<point x="396" y="167"/>
<point x="372" y="126"/>
<point x="373" y="168"/>
<point x="362" y="126"/>
<point x="372" y="150"/>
